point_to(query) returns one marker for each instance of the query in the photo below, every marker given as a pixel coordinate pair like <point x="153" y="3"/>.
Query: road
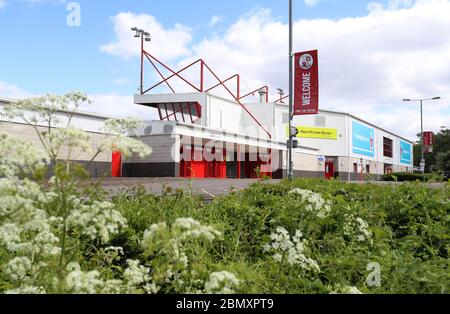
<point x="208" y="188"/>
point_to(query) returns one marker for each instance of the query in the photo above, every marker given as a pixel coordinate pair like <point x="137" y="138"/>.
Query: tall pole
<point x="142" y="64"/>
<point x="291" y="97"/>
<point x="421" y="139"/>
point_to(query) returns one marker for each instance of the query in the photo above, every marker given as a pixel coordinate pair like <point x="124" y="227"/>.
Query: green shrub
<point x="410" y="176"/>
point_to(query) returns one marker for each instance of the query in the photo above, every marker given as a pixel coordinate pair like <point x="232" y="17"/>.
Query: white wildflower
<point x="18" y="268"/>
<point x="221" y="282"/>
<point x="188" y="228"/>
<point x="356" y="227"/>
<point x="80" y="282"/>
<point x="346" y="290"/>
<point x="99" y="220"/>
<point x="26" y="290"/>
<point x="314" y="202"/>
<point x="136" y="274"/>
<point x="290" y="249"/>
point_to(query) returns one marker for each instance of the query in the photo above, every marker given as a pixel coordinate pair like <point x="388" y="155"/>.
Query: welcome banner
<point x="306" y="83"/>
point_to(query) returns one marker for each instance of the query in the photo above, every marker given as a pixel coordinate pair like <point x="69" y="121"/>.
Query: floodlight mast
<point x="145" y="36"/>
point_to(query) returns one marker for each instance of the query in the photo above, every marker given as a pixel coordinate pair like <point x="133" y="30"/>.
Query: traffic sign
<point x="294" y="131"/>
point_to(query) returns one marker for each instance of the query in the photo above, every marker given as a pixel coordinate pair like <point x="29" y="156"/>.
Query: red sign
<point x="428" y="142"/>
<point x="306" y="84"/>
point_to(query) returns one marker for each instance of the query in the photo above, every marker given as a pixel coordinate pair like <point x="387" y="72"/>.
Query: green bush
<point x="410" y="176"/>
<point x="408" y="235"/>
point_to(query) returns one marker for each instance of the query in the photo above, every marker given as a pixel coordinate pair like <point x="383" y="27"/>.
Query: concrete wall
<point x="26" y="132"/>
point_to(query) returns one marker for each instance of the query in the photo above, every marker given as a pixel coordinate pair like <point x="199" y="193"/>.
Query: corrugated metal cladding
<point x="84" y="121"/>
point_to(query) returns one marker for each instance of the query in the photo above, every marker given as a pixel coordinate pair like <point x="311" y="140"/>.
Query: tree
<point x="439" y="159"/>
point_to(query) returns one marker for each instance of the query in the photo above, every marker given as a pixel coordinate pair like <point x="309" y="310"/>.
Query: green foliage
<point x="409" y="176"/>
<point x="438" y="161"/>
<point x="408" y="224"/>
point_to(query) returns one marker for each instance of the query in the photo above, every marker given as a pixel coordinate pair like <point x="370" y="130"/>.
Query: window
<point x="355" y="167"/>
<point x="367" y="168"/>
<point x="387" y="147"/>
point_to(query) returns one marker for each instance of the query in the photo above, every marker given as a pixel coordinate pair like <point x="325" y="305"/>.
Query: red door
<point x="116" y="164"/>
<point x="329" y="170"/>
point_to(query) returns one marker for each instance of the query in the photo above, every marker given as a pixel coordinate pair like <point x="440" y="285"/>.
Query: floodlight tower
<point x="145" y="36"/>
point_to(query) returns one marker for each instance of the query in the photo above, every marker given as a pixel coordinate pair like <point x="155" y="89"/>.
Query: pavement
<point x="208" y="188"/>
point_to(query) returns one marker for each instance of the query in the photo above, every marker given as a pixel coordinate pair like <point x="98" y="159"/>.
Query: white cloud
<point x="2" y="3"/>
<point x="171" y="43"/>
<point x="376" y="7"/>
<point x="311" y="3"/>
<point x="119" y="106"/>
<point x="122" y="81"/>
<point x="215" y="19"/>
<point x="368" y="64"/>
<point x="107" y="104"/>
<point x="13" y="91"/>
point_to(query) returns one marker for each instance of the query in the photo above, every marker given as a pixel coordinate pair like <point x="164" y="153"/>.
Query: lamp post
<point x="144" y="36"/>
<point x="290" y="170"/>
<point x="422" y="160"/>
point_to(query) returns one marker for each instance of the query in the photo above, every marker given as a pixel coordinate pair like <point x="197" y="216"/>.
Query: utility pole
<point x="422" y="148"/>
<point x="290" y="169"/>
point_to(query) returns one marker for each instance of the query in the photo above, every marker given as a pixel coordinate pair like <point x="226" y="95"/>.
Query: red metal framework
<point x="203" y="68"/>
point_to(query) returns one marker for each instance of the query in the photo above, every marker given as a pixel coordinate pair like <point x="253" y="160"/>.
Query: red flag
<point x="306" y="83"/>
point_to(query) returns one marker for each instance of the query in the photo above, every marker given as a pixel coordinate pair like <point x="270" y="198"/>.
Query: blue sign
<point x="405" y="153"/>
<point x="363" y="140"/>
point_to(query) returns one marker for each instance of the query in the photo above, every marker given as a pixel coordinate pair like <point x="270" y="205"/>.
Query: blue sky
<point x="372" y="53"/>
<point x="42" y="54"/>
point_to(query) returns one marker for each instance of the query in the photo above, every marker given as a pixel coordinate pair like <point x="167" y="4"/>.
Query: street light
<point x="422" y="161"/>
<point x="145" y="36"/>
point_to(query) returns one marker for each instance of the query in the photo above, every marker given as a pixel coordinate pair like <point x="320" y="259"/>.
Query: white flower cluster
<point x="118" y="139"/>
<point x="291" y="251"/>
<point x="18" y="269"/>
<point x="18" y="156"/>
<point x="18" y="196"/>
<point x="80" y="282"/>
<point x="188" y="228"/>
<point x="99" y="220"/>
<point x="315" y="202"/>
<point x="26" y="290"/>
<point x="221" y="282"/>
<point x="68" y="137"/>
<point x="183" y="229"/>
<point x="137" y="275"/>
<point x="355" y="226"/>
<point x="346" y="290"/>
<point x="33" y="237"/>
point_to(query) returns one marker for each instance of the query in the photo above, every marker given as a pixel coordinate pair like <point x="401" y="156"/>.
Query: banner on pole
<point x="306" y="83"/>
<point x="428" y="142"/>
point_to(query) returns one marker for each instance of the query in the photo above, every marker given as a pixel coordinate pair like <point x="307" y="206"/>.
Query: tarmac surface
<point x="208" y="188"/>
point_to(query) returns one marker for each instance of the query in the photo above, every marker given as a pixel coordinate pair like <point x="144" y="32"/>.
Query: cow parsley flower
<point x="18" y="268"/>
<point x="290" y="249"/>
<point x="188" y="228"/>
<point x="221" y="282"/>
<point x="99" y="220"/>
<point x="346" y="290"/>
<point x="26" y="290"/>
<point x="356" y="227"/>
<point x="314" y="202"/>
<point x="80" y="282"/>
